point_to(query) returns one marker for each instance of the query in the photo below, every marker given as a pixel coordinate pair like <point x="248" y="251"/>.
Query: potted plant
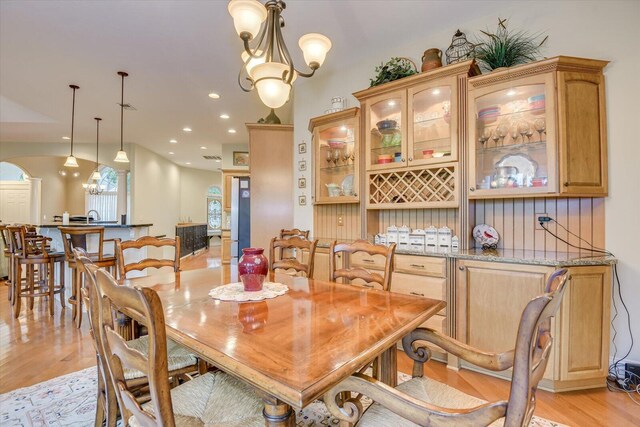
<point x="505" y="48"/>
<point x="394" y="69"/>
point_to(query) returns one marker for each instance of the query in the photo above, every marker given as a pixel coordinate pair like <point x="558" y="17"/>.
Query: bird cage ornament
<point x="460" y="48"/>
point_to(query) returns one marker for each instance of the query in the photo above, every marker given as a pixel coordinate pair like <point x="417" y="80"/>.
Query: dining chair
<point x="80" y="237"/>
<point x="209" y="399"/>
<point x="359" y="273"/>
<point x="424" y="401"/>
<point x="180" y="360"/>
<point x="295" y="232"/>
<point x="146" y="242"/>
<point x="31" y="252"/>
<point x="301" y="250"/>
<point x="6" y="251"/>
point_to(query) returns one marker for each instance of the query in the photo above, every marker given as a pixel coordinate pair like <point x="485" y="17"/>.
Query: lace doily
<point x="236" y="292"/>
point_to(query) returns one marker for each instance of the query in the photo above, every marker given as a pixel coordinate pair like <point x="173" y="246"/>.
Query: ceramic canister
<point x="431" y="236"/>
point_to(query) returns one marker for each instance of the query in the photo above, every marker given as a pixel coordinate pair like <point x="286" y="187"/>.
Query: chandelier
<point x="121" y="157"/>
<point x="71" y="161"/>
<point x="94" y="187"/>
<point x="268" y="66"/>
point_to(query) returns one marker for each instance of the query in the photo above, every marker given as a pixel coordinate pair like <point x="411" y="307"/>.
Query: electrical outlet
<point x="536" y="222"/>
<point x="340" y="221"/>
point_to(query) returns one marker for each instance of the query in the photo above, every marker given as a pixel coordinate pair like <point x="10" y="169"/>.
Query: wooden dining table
<point x="294" y="347"/>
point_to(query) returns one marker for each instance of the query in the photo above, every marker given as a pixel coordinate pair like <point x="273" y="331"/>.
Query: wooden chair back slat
<point x="143" y="242"/>
<point x="77" y="237"/>
<point x="306" y="248"/>
<point x="295" y="232"/>
<point x="360" y="273"/>
<point x="119" y="355"/>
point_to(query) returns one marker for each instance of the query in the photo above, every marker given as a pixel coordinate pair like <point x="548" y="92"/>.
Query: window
<point x="105" y="203"/>
<point x="11" y="172"/>
<point x="214" y="208"/>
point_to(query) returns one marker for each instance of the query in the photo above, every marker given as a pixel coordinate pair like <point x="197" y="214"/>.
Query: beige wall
<point x="59" y="193"/>
<point x="194" y="186"/>
<point x="595" y="29"/>
<point x="227" y="155"/>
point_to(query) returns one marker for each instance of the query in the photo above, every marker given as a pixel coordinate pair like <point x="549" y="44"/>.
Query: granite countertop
<point x="92" y="224"/>
<point x="512" y="256"/>
<point x="189" y="224"/>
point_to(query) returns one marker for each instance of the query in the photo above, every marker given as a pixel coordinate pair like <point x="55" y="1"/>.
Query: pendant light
<point x="96" y="175"/>
<point x="71" y="160"/>
<point x="121" y="157"/>
<point x="267" y="66"/>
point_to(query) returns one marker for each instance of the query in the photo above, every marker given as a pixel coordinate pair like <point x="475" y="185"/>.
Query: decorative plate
<point x="236" y="292"/>
<point x="347" y="185"/>
<point x="525" y="164"/>
<point x="486" y="236"/>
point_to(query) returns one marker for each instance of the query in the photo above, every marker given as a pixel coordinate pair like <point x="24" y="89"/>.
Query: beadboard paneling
<point x="325" y="223"/>
<point x="515" y="220"/>
<point x="418" y="218"/>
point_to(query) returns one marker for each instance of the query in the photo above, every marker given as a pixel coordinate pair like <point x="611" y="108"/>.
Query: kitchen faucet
<point x="97" y="214"/>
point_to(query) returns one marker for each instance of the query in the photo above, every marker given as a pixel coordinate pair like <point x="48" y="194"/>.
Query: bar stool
<point x="6" y="251"/>
<point x="78" y="237"/>
<point x="31" y="252"/>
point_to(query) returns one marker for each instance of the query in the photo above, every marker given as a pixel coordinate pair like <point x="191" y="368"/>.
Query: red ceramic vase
<point x="253" y="268"/>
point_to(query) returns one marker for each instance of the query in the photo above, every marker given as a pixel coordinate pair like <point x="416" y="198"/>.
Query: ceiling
<point x="175" y="52"/>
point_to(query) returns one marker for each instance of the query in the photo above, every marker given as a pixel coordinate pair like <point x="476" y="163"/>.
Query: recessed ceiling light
<point x="231" y="131"/>
<point x="173" y="141"/>
<point x="172" y="153"/>
<point x="187" y="129"/>
<point x="203" y="148"/>
<point x="214" y="95"/>
<point x="187" y="163"/>
<point x="65" y="137"/>
<point x="224" y="116"/>
<point x="75" y="174"/>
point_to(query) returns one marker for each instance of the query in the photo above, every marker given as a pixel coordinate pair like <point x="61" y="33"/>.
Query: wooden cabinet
<point x="227" y="174"/>
<point x="225" y="250"/>
<point x="538" y="129"/>
<point x="411" y="138"/>
<point x="321" y="265"/>
<point x="336" y="155"/>
<point x="491" y="296"/>
<point x="193" y="237"/>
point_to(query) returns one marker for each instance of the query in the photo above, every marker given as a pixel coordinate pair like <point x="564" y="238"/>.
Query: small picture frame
<point x="240" y="158"/>
<point x="302" y="148"/>
<point x="302" y="200"/>
<point x="302" y="182"/>
<point x="302" y="165"/>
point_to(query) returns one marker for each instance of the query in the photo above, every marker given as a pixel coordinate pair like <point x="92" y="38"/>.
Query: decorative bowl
<point x="335" y="143"/>
<point x="386" y="124"/>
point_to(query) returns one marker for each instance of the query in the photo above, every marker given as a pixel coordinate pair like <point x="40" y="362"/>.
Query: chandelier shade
<point x="71" y="160"/>
<point x="267" y="65"/>
<point x="121" y="157"/>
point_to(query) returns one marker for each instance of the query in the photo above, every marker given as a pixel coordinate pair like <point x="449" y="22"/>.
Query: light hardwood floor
<point x="37" y="347"/>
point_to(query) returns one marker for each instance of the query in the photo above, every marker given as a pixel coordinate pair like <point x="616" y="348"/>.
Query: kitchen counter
<point x="511" y="256"/>
<point x="92" y="224"/>
<point x="189" y="224"/>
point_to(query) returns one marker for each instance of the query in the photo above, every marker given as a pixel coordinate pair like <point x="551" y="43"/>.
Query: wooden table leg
<point x="277" y="413"/>
<point x="389" y="367"/>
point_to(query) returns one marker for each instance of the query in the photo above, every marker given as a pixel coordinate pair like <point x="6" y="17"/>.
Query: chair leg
<point x="78" y="293"/>
<point x="29" y="285"/>
<point x="62" y="285"/>
<point x="17" y="290"/>
<point x="72" y="299"/>
<point x="51" y="287"/>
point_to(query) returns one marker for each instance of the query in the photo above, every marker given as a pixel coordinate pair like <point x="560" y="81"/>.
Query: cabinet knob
<point x="566" y="184"/>
<point x="403" y="160"/>
<point x="355" y="194"/>
<point x="410" y="159"/>
<point x="472" y="189"/>
<point x="461" y="268"/>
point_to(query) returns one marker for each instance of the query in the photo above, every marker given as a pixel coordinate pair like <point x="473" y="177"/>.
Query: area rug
<point x="70" y="400"/>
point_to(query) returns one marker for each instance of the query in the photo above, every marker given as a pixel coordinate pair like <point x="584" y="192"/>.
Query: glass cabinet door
<point x="513" y="140"/>
<point x="337" y="161"/>
<point x="433" y="123"/>
<point x="386" y="131"/>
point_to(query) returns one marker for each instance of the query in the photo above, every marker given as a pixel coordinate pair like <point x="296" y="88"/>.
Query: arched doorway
<point x="15" y="195"/>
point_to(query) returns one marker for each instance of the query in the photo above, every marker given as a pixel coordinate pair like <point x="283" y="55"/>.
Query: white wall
<point x="227" y="155"/>
<point x="595" y="29"/>
<point x="194" y="186"/>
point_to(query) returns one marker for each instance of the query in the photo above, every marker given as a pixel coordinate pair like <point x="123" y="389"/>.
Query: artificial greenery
<point x="395" y="69"/>
<point x="505" y="48"/>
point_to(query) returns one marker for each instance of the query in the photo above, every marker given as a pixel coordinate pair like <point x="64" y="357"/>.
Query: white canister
<point x="431" y="236"/>
<point x="417" y="240"/>
<point x="455" y="243"/>
<point x="65" y="218"/>
<point x="403" y="237"/>
<point x="444" y="237"/>
<point x="392" y="234"/>
<point x="337" y="103"/>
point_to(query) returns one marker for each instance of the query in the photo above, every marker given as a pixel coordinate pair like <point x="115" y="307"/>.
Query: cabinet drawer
<point x="428" y="287"/>
<point x="372" y="262"/>
<point x="421" y="265"/>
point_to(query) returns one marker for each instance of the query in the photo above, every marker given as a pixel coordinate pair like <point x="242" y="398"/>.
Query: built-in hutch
<point x="454" y="148"/>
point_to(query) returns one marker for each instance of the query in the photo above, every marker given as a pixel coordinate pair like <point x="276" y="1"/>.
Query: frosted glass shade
<point x="253" y="61"/>
<point x="96" y="176"/>
<point x="121" y="157"/>
<point x="272" y="89"/>
<point x="248" y="16"/>
<point x="71" y="162"/>
<point x="314" y="48"/>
